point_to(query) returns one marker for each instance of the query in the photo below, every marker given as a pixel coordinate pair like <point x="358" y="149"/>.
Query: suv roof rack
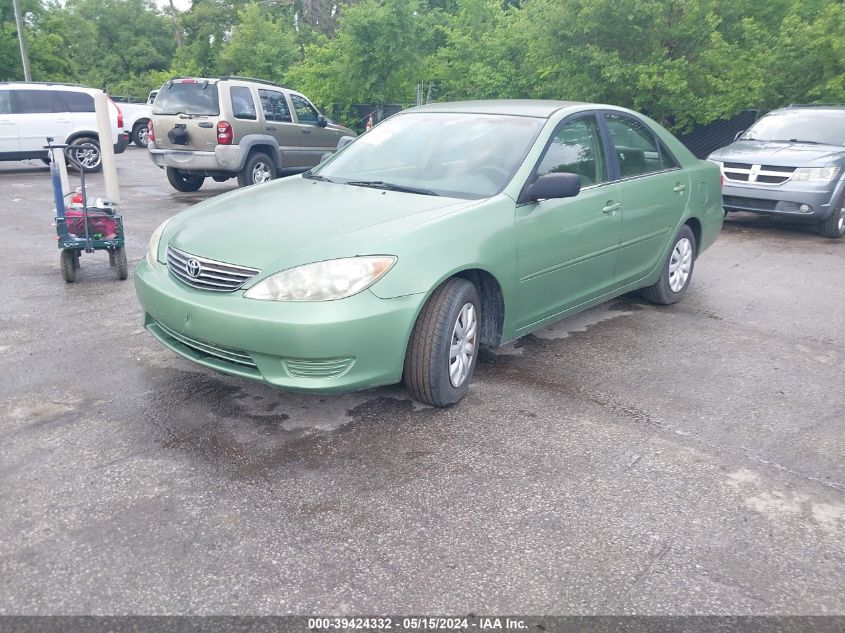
<point x="258" y="81"/>
<point x="44" y="83"/>
<point x="816" y="105"/>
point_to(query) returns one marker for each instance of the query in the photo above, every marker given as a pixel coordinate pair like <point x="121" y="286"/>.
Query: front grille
<point x="761" y="174"/>
<point x="750" y="204"/>
<point x="207" y="274"/>
<point x="207" y="349"/>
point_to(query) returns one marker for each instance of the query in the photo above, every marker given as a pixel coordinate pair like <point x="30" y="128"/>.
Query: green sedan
<point x="446" y="228"/>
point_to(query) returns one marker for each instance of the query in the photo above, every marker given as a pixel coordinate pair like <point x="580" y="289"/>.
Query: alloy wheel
<point x="261" y="172"/>
<point x="463" y="345"/>
<point x="680" y="265"/>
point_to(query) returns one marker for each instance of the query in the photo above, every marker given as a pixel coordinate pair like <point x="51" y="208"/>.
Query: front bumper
<point x="785" y="200"/>
<point x="324" y="347"/>
<point x="223" y="158"/>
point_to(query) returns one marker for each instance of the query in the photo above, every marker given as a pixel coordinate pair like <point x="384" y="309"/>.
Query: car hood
<point x="781" y="154"/>
<point x="296" y="221"/>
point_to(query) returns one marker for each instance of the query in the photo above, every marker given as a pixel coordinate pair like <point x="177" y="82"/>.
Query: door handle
<point x="611" y="207"/>
<point x="680" y="188"/>
<point x="272" y="129"/>
<point x="306" y="131"/>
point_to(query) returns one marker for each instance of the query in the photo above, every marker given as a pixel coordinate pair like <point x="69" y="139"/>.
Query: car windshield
<point x="187" y="97"/>
<point x="811" y="125"/>
<point x="460" y="155"/>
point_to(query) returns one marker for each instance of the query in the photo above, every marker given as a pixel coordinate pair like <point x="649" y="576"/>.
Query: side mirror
<point x="555" y="185"/>
<point x="738" y="134"/>
<point x="322" y="121"/>
<point x="344" y="141"/>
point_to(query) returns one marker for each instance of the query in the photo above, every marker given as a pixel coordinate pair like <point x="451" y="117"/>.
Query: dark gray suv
<point x="790" y="163"/>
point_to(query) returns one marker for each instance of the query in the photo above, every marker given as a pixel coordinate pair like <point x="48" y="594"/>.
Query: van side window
<point x="305" y="113"/>
<point x="275" y="106"/>
<point x="243" y="106"/>
<point x="5" y="102"/>
<point x="38" y="101"/>
<point x="577" y="149"/>
<point x="77" y="101"/>
<point x="638" y="149"/>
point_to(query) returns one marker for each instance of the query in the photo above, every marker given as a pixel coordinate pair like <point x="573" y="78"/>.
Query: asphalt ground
<point x="632" y="459"/>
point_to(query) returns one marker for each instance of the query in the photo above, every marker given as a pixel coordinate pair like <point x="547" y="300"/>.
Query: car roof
<point x="541" y="108"/>
<point x="44" y="85"/>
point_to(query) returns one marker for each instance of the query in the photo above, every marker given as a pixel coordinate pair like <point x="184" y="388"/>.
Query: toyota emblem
<point x="194" y="268"/>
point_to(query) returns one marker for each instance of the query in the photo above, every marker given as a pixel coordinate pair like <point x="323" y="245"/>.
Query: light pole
<point x="24" y="57"/>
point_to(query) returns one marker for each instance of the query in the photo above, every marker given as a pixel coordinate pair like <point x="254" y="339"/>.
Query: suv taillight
<point x="224" y="133"/>
<point x="150" y="128"/>
<point x="119" y="115"/>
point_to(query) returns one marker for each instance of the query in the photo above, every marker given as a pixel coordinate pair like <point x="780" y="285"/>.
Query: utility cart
<point x="80" y="227"/>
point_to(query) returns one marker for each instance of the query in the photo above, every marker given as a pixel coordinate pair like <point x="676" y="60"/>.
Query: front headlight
<point x="815" y="174"/>
<point x="155" y="238"/>
<point x="323" y="281"/>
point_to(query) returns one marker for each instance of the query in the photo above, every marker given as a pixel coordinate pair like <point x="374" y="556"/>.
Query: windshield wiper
<point x="380" y="184"/>
<point x="311" y="176"/>
<point x="798" y="140"/>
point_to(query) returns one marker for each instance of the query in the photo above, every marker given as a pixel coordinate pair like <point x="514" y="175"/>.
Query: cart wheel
<point x="120" y="260"/>
<point x="68" y="261"/>
<point x="111" y="258"/>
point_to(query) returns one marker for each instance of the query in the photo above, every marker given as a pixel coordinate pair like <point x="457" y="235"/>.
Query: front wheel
<point x="70" y="264"/>
<point x="834" y="226"/>
<point x="677" y="271"/>
<point x="184" y="181"/>
<point x="141" y="134"/>
<point x="257" y="169"/>
<point x="443" y="349"/>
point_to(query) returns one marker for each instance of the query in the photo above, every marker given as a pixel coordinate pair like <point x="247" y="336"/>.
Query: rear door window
<point x="5" y="102"/>
<point x="243" y="105"/>
<point x="305" y="112"/>
<point x="37" y="102"/>
<point x="637" y="148"/>
<point x="77" y="101"/>
<point x="275" y="106"/>
<point x="187" y="97"/>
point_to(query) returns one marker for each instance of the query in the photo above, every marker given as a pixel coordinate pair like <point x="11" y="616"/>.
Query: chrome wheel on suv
<point x="84" y="153"/>
<point x="257" y="169"/>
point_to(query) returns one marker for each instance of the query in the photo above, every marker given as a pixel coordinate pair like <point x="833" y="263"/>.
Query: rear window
<point x="78" y="101"/>
<point x="187" y="98"/>
<point x="5" y="102"/>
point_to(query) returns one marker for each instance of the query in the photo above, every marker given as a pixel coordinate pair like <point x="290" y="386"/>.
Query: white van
<point x="30" y="112"/>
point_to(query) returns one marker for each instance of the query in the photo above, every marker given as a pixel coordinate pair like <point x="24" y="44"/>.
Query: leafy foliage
<point x="685" y="62"/>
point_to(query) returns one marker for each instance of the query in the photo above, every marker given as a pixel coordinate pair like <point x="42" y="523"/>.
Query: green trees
<point x="684" y="62"/>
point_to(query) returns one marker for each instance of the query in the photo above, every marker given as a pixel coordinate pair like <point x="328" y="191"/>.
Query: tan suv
<point x="236" y="126"/>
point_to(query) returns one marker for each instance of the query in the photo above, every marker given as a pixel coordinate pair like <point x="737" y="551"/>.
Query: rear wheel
<point x="834" y="226"/>
<point x="677" y="271"/>
<point x="84" y="153"/>
<point x="141" y="134"/>
<point x="184" y="181"/>
<point x="257" y="169"/>
<point x="69" y="265"/>
<point x="119" y="255"/>
<point x="443" y="349"/>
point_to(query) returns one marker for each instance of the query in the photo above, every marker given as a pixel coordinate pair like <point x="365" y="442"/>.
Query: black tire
<point x="427" y="362"/>
<point x="834" y="226"/>
<point x="121" y="263"/>
<point x="255" y="163"/>
<point x="84" y="153"/>
<point x="141" y="133"/>
<point x="184" y="181"/>
<point x="662" y="292"/>
<point x="69" y="265"/>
